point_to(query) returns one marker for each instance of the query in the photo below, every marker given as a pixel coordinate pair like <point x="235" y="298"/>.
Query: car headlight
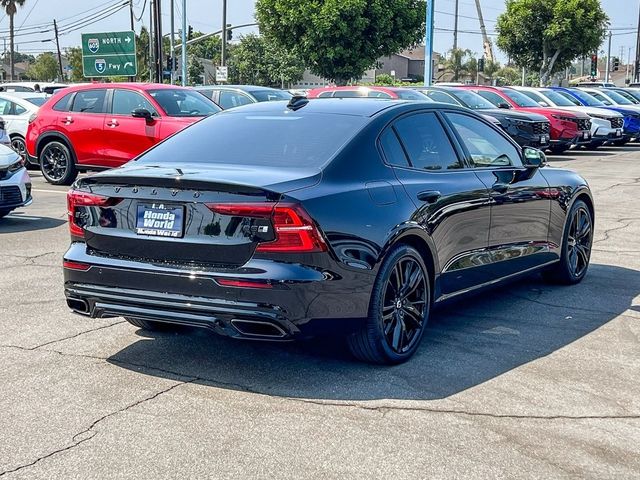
<point x="563" y="118"/>
<point x="16" y="166"/>
<point x="518" y="123"/>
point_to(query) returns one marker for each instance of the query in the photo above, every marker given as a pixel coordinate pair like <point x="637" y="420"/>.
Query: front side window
<point x="568" y="97"/>
<point x="183" y="103"/>
<point x="426" y="142"/>
<point x="601" y="98"/>
<point x="487" y="147"/>
<point x="230" y="99"/>
<point x="5" y="107"/>
<point x="558" y="99"/>
<point x="126" y="101"/>
<point x="89" y="101"/>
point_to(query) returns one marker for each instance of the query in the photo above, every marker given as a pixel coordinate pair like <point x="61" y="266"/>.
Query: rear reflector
<point x="77" y="198"/>
<point x="242" y="283"/>
<point x="83" y="267"/>
<point x="294" y="229"/>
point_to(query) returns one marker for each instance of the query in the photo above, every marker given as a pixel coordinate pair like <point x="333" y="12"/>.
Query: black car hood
<point x="202" y="176"/>
<point x="502" y="113"/>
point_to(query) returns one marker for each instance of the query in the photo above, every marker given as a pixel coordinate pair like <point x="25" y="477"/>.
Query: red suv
<point x="567" y="128"/>
<point x="367" y="92"/>
<point x="99" y="126"/>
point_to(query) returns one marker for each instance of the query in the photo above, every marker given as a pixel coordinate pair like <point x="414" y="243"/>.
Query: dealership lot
<point x="525" y="380"/>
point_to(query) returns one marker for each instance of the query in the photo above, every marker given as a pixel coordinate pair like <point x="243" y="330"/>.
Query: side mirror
<point x="504" y="105"/>
<point x="142" y="113"/>
<point x="543" y="104"/>
<point x="533" y="158"/>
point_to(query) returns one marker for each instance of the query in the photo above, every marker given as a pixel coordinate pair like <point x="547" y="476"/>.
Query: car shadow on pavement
<point x="17" y="222"/>
<point x="467" y="343"/>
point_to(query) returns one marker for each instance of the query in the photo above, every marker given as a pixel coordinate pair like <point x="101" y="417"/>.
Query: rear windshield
<point x="616" y="97"/>
<point x="290" y="141"/>
<point x="184" y="103"/>
<point x="270" y="95"/>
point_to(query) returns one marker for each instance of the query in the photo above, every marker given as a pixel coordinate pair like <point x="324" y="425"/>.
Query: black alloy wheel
<point x="399" y="310"/>
<point x="57" y="164"/>
<point x="20" y="147"/>
<point x="576" y="247"/>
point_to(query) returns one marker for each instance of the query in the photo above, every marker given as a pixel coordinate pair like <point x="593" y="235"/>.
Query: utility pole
<point x="151" y="41"/>
<point x="158" y="40"/>
<point x="55" y="29"/>
<point x="637" y="65"/>
<point x="223" y="50"/>
<point x="428" y="45"/>
<point x="455" y="27"/>
<point x="184" y="43"/>
<point x="133" y="29"/>
<point x="172" y="55"/>
<point x="608" y="66"/>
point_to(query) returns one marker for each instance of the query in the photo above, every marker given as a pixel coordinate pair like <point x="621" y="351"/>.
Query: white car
<point x="606" y="125"/>
<point x="15" y="111"/>
<point x="15" y="184"/>
<point x="31" y="87"/>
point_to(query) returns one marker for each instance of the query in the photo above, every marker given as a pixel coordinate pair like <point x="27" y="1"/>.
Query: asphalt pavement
<point x="524" y="381"/>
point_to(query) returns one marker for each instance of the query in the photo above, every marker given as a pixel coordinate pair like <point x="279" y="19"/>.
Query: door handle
<point x="500" y="187"/>
<point x="68" y="120"/>
<point x="113" y="123"/>
<point x="429" y="196"/>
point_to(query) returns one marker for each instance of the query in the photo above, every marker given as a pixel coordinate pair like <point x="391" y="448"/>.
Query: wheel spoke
<point x="397" y="335"/>
<point x="413" y="314"/>
<point x="583" y="254"/>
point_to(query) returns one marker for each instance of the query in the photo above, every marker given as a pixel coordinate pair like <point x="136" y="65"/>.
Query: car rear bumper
<point x="300" y="301"/>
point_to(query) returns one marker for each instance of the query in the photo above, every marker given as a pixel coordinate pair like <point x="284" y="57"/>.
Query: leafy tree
<point x="17" y="57"/>
<point x="195" y="70"/>
<point x="461" y="63"/>
<point x="547" y="35"/>
<point x="11" y="8"/>
<point x="385" y="79"/>
<point x="74" y="57"/>
<point x="341" y="39"/>
<point x="142" y="55"/>
<point x="45" y="68"/>
<point x="260" y="61"/>
<point x="508" y="76"/>
<point x="491" y="68"/>
<point x="209" y="48"/>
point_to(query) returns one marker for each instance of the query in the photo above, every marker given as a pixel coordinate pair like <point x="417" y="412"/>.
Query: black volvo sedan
<point x="287" y="220"/>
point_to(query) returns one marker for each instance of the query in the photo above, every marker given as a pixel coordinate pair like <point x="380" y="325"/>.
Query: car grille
<point x="10" y="195"/>
<point x="583" y="124"/>
<point x="617" y="122"/>
<point x="540" y="128"/>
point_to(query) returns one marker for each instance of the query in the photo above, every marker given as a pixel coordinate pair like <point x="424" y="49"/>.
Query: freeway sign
<point x="109" y="54"/>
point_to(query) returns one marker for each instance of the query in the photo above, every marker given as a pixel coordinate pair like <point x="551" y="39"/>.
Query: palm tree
<point x="11" y="8"/>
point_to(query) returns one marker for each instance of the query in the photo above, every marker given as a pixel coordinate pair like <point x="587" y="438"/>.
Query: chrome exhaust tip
<point x="256" y="328"/>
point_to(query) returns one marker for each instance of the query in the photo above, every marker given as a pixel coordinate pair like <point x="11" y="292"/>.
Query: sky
<point x="205" y="15"/>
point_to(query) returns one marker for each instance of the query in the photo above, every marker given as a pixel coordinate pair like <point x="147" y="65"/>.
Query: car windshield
<point x="628" y="96"/>
<point x="520" y="99"/>
<point x="617" y="98"/>
<point x="183" y="103"/>
<point x="280" y="141"/>
<point x="411" y="95"/>
<point x="588" y="99"/>
<point x="634" y="93"/>
<point x="558" y="99"/>
<point x="568" y="97"/>
<point x="472" y="100"/>
<point x="270" y="95"/>
<point x="37" y="101"/>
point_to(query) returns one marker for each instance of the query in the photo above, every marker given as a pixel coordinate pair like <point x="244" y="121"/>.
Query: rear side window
<point x="426" y="142"/>
<point x="492" y="97"/>
<point x="62" y="105"/>
<point x="487" y="147"/>
<point x="393" y="152"/>
<point x="229" y="99"/>
<point x="325" y="94"/>
<point x="89" y="101"/>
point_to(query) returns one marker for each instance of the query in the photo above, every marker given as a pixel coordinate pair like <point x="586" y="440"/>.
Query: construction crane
<point x="488" y="46"/>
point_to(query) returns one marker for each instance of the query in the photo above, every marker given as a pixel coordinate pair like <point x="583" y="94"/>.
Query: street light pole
<point x="223" y="49"/>
<point x="608" y="66"/>
<point x="184" y="43"/>
<point x="455" y="27"/>
<point x="172" y="42"/>
<point x="428" y="44"/>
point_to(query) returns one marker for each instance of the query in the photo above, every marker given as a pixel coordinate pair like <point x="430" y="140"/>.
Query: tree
<point x="209" y="48"/>
<point x="260" y="61"/>
<point x="491" y="68"/>
<point x="45" y="68"/>
<point x="547" y="35"/>
<point x="74" y="57"/>
<point x="142" y="55"/>
<point x="341" y="39"/>
<point x="11" y="8"/>
<point x="508" y="76"/>
<point x="461" y="63"/>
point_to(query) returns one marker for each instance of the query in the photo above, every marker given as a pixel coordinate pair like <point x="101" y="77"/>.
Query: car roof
<point x="23" y="95"/>
<point x="334" y="106"/>
<point x="244" y="88"/>
<point x="130" y="85"/>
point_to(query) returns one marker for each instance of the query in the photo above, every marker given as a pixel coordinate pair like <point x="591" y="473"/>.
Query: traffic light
<point x="481" y="65"/>
<point x="190" y="33"/>
<point x="616" y="64"/>
<point x="594" y="65"/>
<point x="169" y="63"/>
<point x="229" y="35"/>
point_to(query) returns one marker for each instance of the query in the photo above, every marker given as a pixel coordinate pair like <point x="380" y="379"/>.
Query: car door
<point x="452" y="204"/>
<point x="129" y="136"/>
<point x="83" y="125"/>
<point x="520" y="196"/>
<point x="18" y="120"/>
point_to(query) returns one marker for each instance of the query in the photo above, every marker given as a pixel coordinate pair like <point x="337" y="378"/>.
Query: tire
<point x="20" y="146"/>
<point x="148" y="324"/>
<point x="57" y="164"/>
<point x="4" y="213"/>
<point x="558" y="149"/>
<point x="620" y="143"/>
<point x="593" y="145"/>
<point x="576" y="248"/>
<point x="395" y="324"/>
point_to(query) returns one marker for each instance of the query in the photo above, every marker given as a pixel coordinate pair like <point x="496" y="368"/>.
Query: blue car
<point x="631" y="115"/>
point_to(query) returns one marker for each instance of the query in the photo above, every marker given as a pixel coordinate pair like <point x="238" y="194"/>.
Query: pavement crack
<point x="90" y="432"/>
<point x="634" y="182"/>
<point x="608" y="231"/>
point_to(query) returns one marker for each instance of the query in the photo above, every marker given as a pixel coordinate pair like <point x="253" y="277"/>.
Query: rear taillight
<point x="77" y="199"/>
<point x="33" y="117"/>
<point x="295" y="231"/>
<point x="82" y="267"/>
